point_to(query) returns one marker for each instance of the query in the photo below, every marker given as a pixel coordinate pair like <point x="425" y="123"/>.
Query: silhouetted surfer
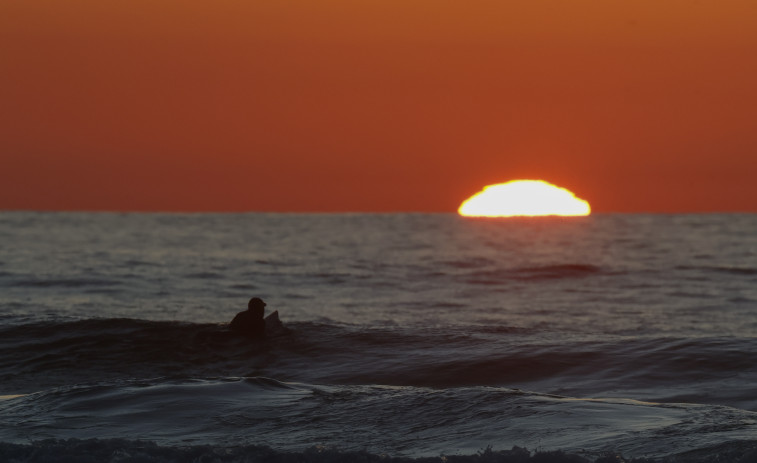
<point x="250" y="323"/>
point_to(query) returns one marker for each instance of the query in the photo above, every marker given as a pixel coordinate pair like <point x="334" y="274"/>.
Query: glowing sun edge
<point x="529" y="198"/>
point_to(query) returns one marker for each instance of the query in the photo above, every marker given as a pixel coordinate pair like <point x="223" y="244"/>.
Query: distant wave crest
<point x="535" y="273"/>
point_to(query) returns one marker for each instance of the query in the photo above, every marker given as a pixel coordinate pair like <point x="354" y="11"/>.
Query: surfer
<point x="250" y="323"/>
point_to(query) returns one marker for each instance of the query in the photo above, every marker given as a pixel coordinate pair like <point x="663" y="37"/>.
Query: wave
<point x="39" y="355"/>
<point x="262" y="420"/>
<point x="35" y="356"/>
<point x="232" y="414"/>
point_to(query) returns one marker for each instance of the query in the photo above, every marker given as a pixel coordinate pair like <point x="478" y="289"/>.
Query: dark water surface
<point x="411" y="335"/>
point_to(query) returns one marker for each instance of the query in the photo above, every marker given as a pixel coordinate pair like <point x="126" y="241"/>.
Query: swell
<point x="39" y="355"/>
<point x="36" y="356"/>
<point x="233" y="412"/>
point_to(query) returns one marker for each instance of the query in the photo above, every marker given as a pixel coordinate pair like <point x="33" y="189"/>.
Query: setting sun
<point x="523" y="198"/>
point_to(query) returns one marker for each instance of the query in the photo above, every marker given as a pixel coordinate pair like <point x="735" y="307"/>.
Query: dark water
<point x="410" y="336"/>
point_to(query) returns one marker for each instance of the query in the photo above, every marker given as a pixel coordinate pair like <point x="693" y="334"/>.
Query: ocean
<point x="411" y="338"/>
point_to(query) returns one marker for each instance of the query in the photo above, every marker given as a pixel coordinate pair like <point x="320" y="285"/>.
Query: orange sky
<point x="376" y="105"/>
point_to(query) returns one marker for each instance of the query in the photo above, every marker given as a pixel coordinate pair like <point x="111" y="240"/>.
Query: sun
<point x="523" y="198"/>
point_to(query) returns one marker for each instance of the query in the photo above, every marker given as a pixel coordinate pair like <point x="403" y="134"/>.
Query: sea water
<point x="411" y="336"/>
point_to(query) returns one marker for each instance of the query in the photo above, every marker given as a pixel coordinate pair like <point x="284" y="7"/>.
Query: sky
<point x="376" y="105"/>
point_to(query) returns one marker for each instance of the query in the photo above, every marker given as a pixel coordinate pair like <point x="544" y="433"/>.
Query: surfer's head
<point x="257" y="306"/>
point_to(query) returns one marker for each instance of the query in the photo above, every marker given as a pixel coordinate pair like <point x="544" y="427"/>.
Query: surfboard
<point x="273" y="325"/>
